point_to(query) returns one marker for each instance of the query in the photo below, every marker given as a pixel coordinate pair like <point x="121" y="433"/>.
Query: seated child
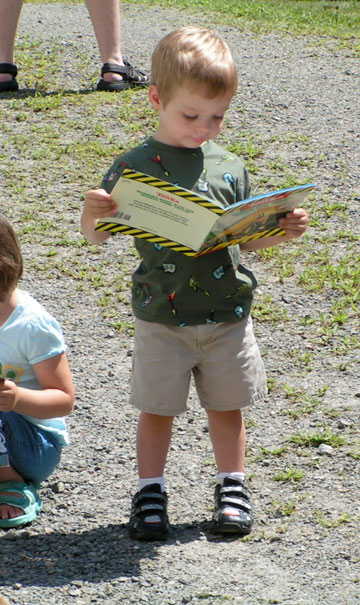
<point x="36" y="390"/>
<point x="192" y="314"/>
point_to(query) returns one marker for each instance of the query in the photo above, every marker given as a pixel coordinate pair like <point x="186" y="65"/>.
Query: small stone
<point x="342" y="423"/>
<point x="325" y="449"/>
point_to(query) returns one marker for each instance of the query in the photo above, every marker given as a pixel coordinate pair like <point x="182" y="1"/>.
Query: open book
<point x="176" y="218"/>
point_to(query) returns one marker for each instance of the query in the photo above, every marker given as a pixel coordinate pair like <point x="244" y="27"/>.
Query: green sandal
<point x="28" y="500"/>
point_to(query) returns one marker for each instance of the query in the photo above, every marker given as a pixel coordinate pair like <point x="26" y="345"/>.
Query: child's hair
<point x="11" y="262"/>
<point x="195" y="57"/>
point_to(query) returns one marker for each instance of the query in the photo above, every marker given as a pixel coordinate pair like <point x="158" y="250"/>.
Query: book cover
<point x="159" y="212"/>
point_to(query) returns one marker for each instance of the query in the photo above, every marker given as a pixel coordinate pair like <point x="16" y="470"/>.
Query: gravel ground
<point x="305" y="546"/>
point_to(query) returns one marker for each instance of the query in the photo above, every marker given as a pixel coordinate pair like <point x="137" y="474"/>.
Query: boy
<point x="192" y="314"/>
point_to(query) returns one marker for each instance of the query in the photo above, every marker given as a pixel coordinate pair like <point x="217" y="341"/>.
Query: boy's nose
<point x="204" y="128"/>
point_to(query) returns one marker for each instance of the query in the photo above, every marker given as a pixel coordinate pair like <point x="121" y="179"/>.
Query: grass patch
<point x="339" y="20"/>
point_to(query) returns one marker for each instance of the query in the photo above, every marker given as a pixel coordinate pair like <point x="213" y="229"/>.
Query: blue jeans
<point x="32" y="452"/>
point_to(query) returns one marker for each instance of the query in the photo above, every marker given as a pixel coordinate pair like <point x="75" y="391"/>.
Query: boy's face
<point x="189" y="118"/>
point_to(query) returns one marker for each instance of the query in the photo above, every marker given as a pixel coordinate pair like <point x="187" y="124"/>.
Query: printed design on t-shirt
<point x="158" y="160"/>
<point x="158" y="247"/>
<point x="225" y="158"/>
<point x="211" y="319"/>
<point x="202" y="184"/>
<point x="171" y="299"/>
<point x="167" y="267"/>
<point x="221" y="271"/>
<point x="237" y="290"/>
<point x="194" y="283"/>
<point x="114" y="174"/>
<point x="111" y="176"/>
<point x="239" y="311"/>
<point x="229" y="178"/>
<point x="11" y="372"/>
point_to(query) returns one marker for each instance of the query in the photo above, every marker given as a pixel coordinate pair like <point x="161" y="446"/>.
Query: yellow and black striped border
<point x="175" y="189"/>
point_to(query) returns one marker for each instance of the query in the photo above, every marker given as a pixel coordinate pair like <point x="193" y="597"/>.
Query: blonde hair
<point x="195" y="57"/>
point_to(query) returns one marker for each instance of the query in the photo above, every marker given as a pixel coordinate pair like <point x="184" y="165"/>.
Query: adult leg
<point x="105" y="17"/>
<point x="9" y="16"/>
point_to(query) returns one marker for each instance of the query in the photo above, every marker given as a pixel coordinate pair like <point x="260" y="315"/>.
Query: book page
<point x="161" y="212"/>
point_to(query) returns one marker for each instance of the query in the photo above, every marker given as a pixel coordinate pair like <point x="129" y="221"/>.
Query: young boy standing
<point x="192" y="314"/>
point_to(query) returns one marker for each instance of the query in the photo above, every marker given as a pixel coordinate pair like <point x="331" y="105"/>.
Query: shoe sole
<point x="230" y="528"/>
<point x="148" y="536"/>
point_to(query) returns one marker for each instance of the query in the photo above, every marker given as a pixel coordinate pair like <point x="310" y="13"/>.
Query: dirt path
<point x="300" y="102"/>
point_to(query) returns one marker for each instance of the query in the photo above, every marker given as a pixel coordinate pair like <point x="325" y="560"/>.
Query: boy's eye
<point x="218" y="117"/>
<point x="190" y="117"/>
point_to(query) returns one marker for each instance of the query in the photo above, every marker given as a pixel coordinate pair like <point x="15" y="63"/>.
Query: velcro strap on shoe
<point x="236" y="502"/>
<point x="142" y="508"/>
<point x="150" y="496"/>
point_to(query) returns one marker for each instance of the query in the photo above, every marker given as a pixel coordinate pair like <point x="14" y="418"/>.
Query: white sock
<point x="236" y="475"/>
<point x="149" y="481"/>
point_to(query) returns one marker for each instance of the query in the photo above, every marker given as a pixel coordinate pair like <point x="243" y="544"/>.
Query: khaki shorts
<point x="223" y="358"/>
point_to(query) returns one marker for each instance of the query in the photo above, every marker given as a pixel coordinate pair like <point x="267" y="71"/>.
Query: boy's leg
<point x="232" y="502"/>
<point x="148" y="518"/>
<point x="227" y="434"/>
<point x="153" y="441"/>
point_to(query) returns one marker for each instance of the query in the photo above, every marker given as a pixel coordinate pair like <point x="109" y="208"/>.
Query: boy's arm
<point x="294" y="223"/>
<point x="55" y="398"/>
<point x="97" y="204"/>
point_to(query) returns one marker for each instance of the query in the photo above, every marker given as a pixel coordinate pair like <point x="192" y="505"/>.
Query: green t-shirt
<point x="169" y="287"/>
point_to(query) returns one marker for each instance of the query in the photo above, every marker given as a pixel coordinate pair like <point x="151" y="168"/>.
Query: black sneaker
<point x="149" y="502"/>
<point x="233" y="513"/>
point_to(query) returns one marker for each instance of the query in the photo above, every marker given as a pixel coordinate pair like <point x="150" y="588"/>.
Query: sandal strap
<point x="150" y="502"/>
<point x="235" y="496"/>
<point x="8" y="68"/>
<point x="23" y="494"/>
<point x="127" y="71"/>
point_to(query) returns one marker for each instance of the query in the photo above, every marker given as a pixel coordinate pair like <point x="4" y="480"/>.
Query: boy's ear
<point x="154" y="96"/>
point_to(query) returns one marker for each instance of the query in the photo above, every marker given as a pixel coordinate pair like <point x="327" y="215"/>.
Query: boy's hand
<point x="98" y="203"/>
<point x="295" y="223"/>
<point x="8" y="396"/>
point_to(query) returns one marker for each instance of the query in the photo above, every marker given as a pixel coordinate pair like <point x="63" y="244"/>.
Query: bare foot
<point x="7" y="511"/>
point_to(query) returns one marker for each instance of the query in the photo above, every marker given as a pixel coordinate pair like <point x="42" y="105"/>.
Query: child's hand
<point x="295" y="223"/>
<point x="8" y="396"/>
<point x="98" y="203"/>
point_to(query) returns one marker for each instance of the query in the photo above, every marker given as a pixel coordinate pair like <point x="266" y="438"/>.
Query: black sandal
<point x="9" y="85"/>
<point x="131" y="77"/>
<point x="149" y="502"/>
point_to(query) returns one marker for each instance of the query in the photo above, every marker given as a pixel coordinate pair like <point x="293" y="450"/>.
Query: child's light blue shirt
<point x="31" y="335"/>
